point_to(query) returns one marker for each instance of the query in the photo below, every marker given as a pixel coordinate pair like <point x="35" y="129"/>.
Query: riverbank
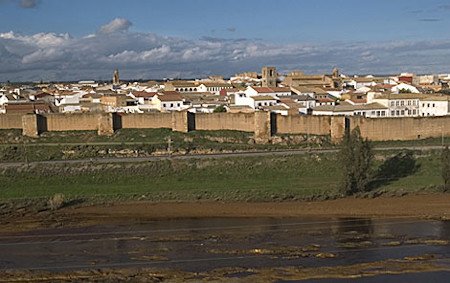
<point x="422" y="205"/>
<point x="427" y="206"/>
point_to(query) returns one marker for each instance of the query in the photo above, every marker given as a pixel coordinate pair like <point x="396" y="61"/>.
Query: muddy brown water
<point x="202" y="245"/>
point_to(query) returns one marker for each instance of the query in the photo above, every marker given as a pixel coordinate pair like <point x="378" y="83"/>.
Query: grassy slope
<point x="142" y="142"/>
<point x="256" y="178"/>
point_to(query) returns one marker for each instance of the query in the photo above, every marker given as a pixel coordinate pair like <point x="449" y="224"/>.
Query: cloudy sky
<point x="151" y="39"/>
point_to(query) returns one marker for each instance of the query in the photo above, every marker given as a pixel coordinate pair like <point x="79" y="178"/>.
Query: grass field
<point x="137" y="142"/>
<point x="234" y="178"/>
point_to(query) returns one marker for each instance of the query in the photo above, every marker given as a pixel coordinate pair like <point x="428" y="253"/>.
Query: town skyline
<point x="158" y="39"/>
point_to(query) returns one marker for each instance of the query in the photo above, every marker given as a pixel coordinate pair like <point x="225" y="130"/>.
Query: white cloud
<point x="51" y="56"/>
<point x="116" y="25"/>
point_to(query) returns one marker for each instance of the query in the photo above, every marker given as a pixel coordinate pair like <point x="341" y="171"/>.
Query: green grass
<point x="187" y="177"/>
<point x="143" y="142"/>
<point x="234" y="178"/>
<point x="413" y="143"/>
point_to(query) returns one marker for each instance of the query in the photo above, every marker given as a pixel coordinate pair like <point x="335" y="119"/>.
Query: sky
<point x="151" y="39"/>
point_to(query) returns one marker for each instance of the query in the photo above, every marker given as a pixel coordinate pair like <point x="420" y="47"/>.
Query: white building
<point x="400" y="105"/>
<point x="434" y="106"/>
<point x="213" y="87"/>
<point x="256" y="101"/>
<point x="168" y="101"/>
<point x="371" y="110"/>
<point x="404" y="87"/>
<point x="272" y="91"/>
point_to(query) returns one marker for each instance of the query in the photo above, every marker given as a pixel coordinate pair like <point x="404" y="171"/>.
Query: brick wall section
<point x="11" y="121"/>
<point x="105" y="124"/>
<point x="180" y="121"/>
<point x="337" y="128"/>
<point x="262" y="127"/>
<point x="146" y="121"/>
<point x="30" y="126"/>
<point x="402" y="129"/>
<point x="259" y="122"/>
<point x="297" y="124"/>
<point x="225" y="121"/>
<point x="72" y="122"/>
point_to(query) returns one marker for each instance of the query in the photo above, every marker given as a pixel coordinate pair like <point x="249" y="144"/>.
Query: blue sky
<point x="312" y="35"/>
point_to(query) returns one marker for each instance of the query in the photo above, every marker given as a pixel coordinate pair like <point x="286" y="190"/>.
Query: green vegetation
<point x="234" y="178"/>
<point x="356" y="160"/>
<point x="138" y="143"/>
<point x="446" y="168"/>
<point x="404" y="90"/>
<point x="220" y="109"/>
<point x="413" y="143"/>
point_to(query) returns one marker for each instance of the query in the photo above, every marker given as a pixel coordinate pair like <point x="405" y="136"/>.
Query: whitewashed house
<point x="404" y="87"/>
<point x="434" y="106"/>
<point x="213" y="87"/>
<point x="255" y="101"/>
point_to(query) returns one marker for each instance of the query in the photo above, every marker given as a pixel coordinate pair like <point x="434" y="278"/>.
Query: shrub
<point x="56" y="202"/>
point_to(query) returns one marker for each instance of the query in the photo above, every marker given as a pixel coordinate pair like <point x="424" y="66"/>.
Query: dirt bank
<point x="430" y="205"/>
<point x="421" y="206"/>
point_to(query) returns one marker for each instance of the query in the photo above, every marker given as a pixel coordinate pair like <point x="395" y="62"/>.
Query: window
<point x="397" y="113"/>
<point x="414" y="111"/>
<point x="178" y="104"/>
<point x="403" y="112"/>
<point x="409" y="111"/>
<point x="428" y="105"/>
<point x="171" y="105"/>
<point x="383" y="113"/>
<point x="396" y="103"/>
<point x="392" y="113"/>
<point x="164" y="105"/>
<point x="378" y="113"/>
<point x="392" y="103"/>
<point x="434" y="105"/>
<point x="409" y="102"/>
<point x="402" y="103"/>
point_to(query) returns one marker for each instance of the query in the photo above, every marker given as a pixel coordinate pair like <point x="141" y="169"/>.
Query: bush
<point x="56" y="202"/>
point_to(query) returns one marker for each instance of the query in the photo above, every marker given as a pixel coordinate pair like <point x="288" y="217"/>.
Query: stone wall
<point x="299" y="124"/>
<point x="225" y="121"/>
<point x="10" y="121"/>
<point x="263" y="124"/>
<point x="402" y="128"/>
<point x="71" y="122"/>
<point x="146" y="121"/>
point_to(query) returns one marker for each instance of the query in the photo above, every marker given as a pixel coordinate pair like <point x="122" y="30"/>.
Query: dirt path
<point x="432" y="205"/>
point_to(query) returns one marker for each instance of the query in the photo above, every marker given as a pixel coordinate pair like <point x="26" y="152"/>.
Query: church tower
<point x="269" y="76"/>
<point x="116" y="80"/>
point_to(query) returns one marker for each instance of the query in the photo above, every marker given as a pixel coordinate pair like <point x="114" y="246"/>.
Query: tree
<point x="404" y="90"/>
<point x="446" y="167"/>
<point x="220" y="109"/>
<point x="356" y="162"/>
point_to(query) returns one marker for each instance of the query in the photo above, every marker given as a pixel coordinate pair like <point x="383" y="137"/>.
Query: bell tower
<point x="269" y="76"/>
<point x="116" y="79"/>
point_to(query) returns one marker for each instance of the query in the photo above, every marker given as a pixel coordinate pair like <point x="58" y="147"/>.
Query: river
<point x="244" y="247"/>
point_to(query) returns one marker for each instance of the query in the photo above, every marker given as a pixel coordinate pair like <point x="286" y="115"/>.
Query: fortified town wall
<point x="262" y="124"/>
